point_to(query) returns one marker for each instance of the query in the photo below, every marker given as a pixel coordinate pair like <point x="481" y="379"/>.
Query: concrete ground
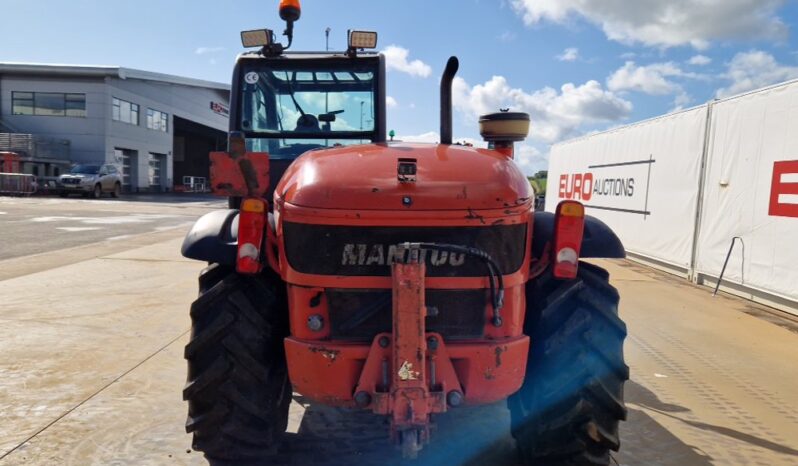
<point x="39" y="225"/>
<point x="92" y="328"/>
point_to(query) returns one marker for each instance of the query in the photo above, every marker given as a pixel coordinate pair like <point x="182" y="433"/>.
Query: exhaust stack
<point x="446" y="99"/>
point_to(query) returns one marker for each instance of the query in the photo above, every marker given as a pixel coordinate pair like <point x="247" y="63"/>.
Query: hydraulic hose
<point x="494" y="273"/>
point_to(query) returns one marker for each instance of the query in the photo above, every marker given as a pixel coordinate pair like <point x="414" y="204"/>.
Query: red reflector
<point x="569" y="225"/>
<point x="251" y="228"/>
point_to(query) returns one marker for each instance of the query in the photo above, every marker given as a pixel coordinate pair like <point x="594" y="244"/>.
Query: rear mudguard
<point x="598" y="240"/>
<point x="213" y="238"/>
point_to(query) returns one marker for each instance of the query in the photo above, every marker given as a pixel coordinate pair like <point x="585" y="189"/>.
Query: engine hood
<point x="365" y="177"/>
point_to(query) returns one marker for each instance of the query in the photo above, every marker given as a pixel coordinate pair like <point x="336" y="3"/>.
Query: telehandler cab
<point x="404" y="279"/>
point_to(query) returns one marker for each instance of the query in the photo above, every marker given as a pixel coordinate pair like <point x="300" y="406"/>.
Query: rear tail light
<point x="251" y="227"/>
<point x="569" y="224"/>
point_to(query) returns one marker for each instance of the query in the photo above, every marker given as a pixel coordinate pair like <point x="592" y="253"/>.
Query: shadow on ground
<point x="326" y="436"/>
<point x="473" y="436"/>
<point x="645" y="441"/>
<point x="655" y="443"/>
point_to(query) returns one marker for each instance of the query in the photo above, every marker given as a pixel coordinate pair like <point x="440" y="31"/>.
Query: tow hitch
<point x="411" y="365"/>
<point x="411" y="394"/>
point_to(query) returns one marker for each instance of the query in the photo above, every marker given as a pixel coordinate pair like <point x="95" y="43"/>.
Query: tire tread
<point x="568" y="410"/>
<point x="236" y="387"/>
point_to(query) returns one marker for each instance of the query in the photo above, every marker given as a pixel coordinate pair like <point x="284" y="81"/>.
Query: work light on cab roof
<point x="290" y="11"/>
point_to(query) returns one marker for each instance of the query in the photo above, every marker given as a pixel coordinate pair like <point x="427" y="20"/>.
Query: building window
<point x="125" y="111"/>
<point x="22" y="103"/>
<point x="157" y="120"/>
<point x="48" y="104"/>
<point x="75" y="105"/>
<point x="154" y="170"/>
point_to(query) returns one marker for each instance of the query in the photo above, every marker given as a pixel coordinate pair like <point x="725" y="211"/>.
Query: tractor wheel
<point x="568" y="409"/>
<point x="211" y="275"/>
<point x="117" y="192"/>
<point x="238" y="390"/>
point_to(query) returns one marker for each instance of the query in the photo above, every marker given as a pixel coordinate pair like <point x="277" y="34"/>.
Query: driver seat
<point x="307" y="122"/>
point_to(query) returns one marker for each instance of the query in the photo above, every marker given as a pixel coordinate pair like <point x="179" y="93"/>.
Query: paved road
<point x="40" y="225"/>
<point x="91" y="370"/>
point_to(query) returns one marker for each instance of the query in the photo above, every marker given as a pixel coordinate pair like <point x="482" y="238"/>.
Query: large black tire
<point x="238" y="390"/>
<point x="568" y="409"/>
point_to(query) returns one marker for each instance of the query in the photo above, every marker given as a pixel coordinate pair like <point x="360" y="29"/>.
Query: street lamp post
<point x="327" y="36"/>
<point x="327" y="94"/>
<point x="361" y="116"/>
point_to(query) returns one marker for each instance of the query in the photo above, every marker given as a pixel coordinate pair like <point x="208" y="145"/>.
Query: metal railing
<point x="195" y="184"/>
<point x="39" y="147"/>
<point x="726" y="262"/>
<point x="17" y="184"/>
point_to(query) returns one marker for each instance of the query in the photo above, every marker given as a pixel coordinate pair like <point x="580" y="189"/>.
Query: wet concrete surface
<point x="40" y="225"/>
<point x="91" y="371"/>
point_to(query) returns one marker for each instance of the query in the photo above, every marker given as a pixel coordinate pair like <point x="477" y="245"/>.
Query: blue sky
<point x="575" y="65"/>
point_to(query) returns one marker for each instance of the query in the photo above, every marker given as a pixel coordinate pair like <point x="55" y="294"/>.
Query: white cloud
<point x="206" y="50"/>
<point x="530" y="159"/>
<point x="555" y="114"/>
<point x="396" y="59"/>
<point x="653" y="79"/>
<point x="752" y="70"/>
<point x="430" y="136"/>
<point x="649" y="79"/>
<point x="507" y="36"/>
<point x="569" y="54"/>
<point x="699" y="60"/>
<point x="435" y="137"/>
<point x="680" y="101"/>
<point x="317" y="102"/>
<point x="665" y="23"/>
<point x="390" y="102"/>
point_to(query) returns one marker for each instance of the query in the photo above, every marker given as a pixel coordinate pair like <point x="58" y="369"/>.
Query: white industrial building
<point x="156" y="128"/>
<point x="700" y="190"/>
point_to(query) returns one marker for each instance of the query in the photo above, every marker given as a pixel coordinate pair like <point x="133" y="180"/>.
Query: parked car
<point x="91" y="180"/>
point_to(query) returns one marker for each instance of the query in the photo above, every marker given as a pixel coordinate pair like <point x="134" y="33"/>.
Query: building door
<point x="156" y="169"/>
<point x="128" y="160"/>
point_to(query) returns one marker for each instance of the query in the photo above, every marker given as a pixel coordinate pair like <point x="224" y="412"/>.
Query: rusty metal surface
<point x="240" y="175"/>
<point x="364" y="177"/>
<point x="410" y="397"/>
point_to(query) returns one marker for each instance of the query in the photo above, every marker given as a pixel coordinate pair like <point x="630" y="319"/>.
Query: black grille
<point x="71" y="180"/>
<point x="358" y="315"/>
<point x="368" y="251"/>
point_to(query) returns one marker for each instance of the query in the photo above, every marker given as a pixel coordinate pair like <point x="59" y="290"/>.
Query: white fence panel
<point x="751" y="191"/>
<point x="642" y="180"/>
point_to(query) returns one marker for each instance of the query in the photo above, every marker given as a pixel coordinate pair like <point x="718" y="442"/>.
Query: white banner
<point x="642" y="180"/>
<point x="751" y="191"/>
